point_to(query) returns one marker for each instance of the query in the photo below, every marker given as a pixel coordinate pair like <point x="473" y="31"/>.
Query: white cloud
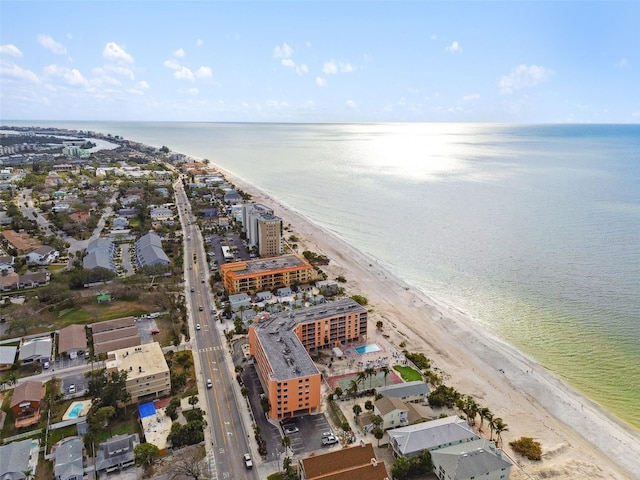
<point x="180" y="53"/>
<point x="282" y="52"/>
<point x="10" y="50"/>
<point x="189" y="91"/>
<point x="287" y="62"/>
<point x="184" y="74"/>
<point x="524" y="76"/>
<point x="144" y="85"/>
<point x="434" y="36"/>
<point x="350" y="104"/>
<point x="204" y="72"/>
<point x="302" y="69"/>
<point x="114" y="52"/>
<point x="199" y="42"/>
<point x="120" y="70"/>
<point x="469" y="98"/>
<point x="623" y="63"/>
<point x="172" y="64"/>
<point x="321" y="82"/>
<point x="333" y="67"/>
<point x="18" y="72"/>
<point x="50" y="44"/>
<point x="454" y="48"/>
<point x="70" y="76"/>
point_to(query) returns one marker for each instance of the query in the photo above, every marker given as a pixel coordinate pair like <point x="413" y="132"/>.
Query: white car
<point x="291" y="429"/>
<point x="247" y="460"/>
<point x="209" y="383"/>
<point x="329" y="440"/>
<point x="197" y="326"/>
<point x="72" y="388"/>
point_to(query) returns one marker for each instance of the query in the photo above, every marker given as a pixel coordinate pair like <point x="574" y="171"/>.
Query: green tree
<point x="499" y="426"/>
<point x="378" y="433"/>
<point x="338" y="392"/>
<point x="368" y="405"/>
<point x="145" y="454"/>
<point x="286" y="442"/>
<point x="357" y="409"/>
<point x="193" y="401"/>
<point x="385" y="371"/>
<point x="370" y="372"/>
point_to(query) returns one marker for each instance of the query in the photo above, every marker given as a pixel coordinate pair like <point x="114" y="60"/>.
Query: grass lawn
<point x="95" y="312"/>
<point x="408" y="374"/>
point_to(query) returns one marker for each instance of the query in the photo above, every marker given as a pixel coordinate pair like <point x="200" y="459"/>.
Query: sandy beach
<point x="579" y="439"/>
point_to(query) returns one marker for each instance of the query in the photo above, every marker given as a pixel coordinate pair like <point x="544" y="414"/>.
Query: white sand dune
<point x="579" y="439"/>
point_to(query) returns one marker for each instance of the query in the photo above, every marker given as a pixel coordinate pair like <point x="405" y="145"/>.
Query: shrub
<point x="527" y="447"/>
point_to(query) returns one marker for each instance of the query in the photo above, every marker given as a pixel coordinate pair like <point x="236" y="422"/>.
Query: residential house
<point x="25" y="403"/>
<point x="475" y="459"/>
<point x="36" y="350"/>
<point x="149" y="251"/>
<point x="231" y="196"/>
<point x="239" y="301"/>
<point x="127" y="212"/>
<point x="161" y="213"/>
<point x="7" y="357"/>
<point x="68" y="464"/>
<point x="44" y="255"/>
<point x="21" y="242"/>
<point x="19" y="458"/>
<point x="393" y="412"/>
<point x="114" y="335"/>
<point x="328" y="287"/>
<point x="117" y="453"/>
<point x="80" y="217"/>
<point x="120" y="223"/>
<point x="34" y="279"/>
<point x="100" y="253"/>
<point x="416" y="391"/>
<point x="443" y="432"/>
<point x="147" y="370"/>
<point x="72" y="340"/>
<point x="9" y="281"/>
<point x="60" y="207"/>
<point x="352" y="463"/>
<point x="6" y="264"/>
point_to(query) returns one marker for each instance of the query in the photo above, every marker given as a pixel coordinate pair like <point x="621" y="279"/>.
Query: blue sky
<point x="331" y="61"/>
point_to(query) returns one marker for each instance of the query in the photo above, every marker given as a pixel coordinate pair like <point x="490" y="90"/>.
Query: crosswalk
<point x="211" y="349"/>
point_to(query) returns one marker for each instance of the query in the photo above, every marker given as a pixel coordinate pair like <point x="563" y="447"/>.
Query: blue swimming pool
<point x="368" y="349"/>
<point x="75" y="411"/>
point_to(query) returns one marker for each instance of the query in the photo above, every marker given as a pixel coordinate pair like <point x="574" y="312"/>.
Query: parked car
<point x="330" y="440"/>
<point x="291" y="429"/>
<point x="155" y="331"/>
<point x="72" y="388"/>
<point x="247" y="460"/>
<point x="45" y="365"/>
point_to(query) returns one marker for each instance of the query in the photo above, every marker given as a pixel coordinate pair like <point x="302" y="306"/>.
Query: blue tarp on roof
<point x="147" y="410"/>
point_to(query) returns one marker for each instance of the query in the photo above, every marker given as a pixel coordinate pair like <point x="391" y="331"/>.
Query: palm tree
<point x="385" y="371"/>
<point x="492" y="425"/>
<point x="499" y="426"/>
<point x="361" y="377"/>
<point x="484" y="415"/>
<point x="369" y="372"/>
<point x="286" y="442"/>
<point x="353" y="387"/>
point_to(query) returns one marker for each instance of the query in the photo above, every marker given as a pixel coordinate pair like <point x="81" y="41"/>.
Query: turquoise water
<point x="532" y="230"/>
<point x="75" y="411"/>
<point x="367" y="349"/>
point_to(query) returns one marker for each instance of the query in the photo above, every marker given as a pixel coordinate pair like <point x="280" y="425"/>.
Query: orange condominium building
<point x="259" y="275"/>
<point x="280" y="345"/>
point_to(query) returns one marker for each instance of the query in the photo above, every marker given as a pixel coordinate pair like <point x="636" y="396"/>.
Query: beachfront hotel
<point x="263" y="229"/>
<point x="258" y="275"/>
<point x="147" y="370"/>
<point x="280" y="346"/>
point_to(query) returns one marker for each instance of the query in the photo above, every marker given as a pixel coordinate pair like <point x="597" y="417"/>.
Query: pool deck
<point x="86" y="405"/>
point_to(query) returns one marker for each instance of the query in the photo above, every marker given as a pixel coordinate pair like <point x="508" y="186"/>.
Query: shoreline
<point x="579" y="438"/>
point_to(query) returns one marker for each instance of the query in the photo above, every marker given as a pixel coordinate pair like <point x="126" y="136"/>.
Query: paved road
<point x="227" y="440"/>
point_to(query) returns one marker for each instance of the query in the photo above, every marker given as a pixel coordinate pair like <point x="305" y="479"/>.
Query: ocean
<point x="532" y="230"/>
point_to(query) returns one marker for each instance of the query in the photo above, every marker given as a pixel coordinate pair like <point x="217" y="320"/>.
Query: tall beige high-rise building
<point x="269" y="236"/>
